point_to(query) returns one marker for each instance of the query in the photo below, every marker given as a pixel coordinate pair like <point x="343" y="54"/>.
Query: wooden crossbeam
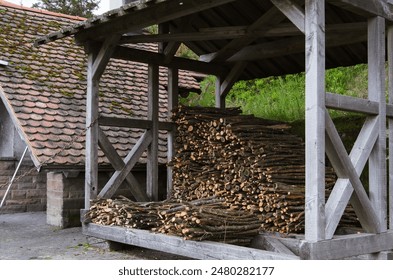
<point x="293" y="11"/>
<point x="132" y="158"/>
<point x="270" y="18"/>
<point x="342" y="163"/>
<point x="342" y="191"/>
<point x="351" y="104"/>
<point x="133" y="123"/>
<point x="291" y="46"/>
<point x="231" y="78"/>
<point x="118" y="164"/>
<point x="136" y="20"/>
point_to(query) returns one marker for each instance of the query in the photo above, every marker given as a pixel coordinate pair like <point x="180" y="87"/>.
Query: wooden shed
<point x="240" y="40"/>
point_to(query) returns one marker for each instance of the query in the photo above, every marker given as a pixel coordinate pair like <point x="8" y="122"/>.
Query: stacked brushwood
<point x="233" y="176"/>
<point x="253" y="164"/>
<point x="204" y="219"/>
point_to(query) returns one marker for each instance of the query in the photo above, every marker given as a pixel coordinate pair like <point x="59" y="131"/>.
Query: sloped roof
<point x="226" y="32"/>
<point x="44" y="89"/>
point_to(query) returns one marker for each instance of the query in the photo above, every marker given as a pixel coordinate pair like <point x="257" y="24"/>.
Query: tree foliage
<point x="82" y="8"/>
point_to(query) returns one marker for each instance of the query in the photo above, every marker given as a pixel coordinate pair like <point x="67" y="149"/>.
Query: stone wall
<point x="27" y="194"/>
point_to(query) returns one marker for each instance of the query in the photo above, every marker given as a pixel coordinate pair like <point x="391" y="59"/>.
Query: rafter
<point x="293" y="11"/>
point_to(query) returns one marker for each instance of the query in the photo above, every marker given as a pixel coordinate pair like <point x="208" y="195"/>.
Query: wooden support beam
<point x="366" y="8"/>
<point x="351" y="104"/>
<point x="132" y="158"/>
<point x="133" y="123"/>
<point x="292" y="45"/>
<point x="152" y="115"/>
<point x="134" y="20"/>
<point x="104" y="55"/>
<point x="204" y="250"/>
<point x="232" y="78"/>
<point x="347" y="246"/>
<point x="160" y="59"/>
<point x="343" y="190"/>
<point x="173" y="102"/>
<point x="271" y="243"/>
<point x="220" y="100"/>
<point x="390" y="122"/>
<point x="376" y="92"/>
<point x="293" y="11"/>
<point x="118" y="164"/>
<point x="92" y="102"/>
<point x="234" y="32"/>
<point x="315" y="121"/>
<point x="271" y="18"/>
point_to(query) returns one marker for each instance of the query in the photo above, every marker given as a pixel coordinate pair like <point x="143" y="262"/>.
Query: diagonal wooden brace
<point x="118" y="164"/>
<point x="341" y="161"/>
<point x="132" y="158"/>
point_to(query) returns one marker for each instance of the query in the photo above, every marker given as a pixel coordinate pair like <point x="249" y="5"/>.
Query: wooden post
<point x="376" y="92"/>
<point x="220" y="99"/>
<point x="152" y="150"/>
<point x="173" y="100"/>
<point x="315" y="121"/>
<point x="91" y="176"/>
<point x="390" y="121"/>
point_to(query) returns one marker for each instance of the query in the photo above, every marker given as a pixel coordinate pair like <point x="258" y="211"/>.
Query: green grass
<point x="282" y="98"/>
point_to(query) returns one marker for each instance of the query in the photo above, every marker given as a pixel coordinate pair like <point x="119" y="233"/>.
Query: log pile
<point x="205" y="219"/>
<point x="233" y="176"/>
<point x="253" y="164"/>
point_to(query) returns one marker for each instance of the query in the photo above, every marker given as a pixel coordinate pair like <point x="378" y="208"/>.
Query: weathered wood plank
<point x="271" y="243"/>
<point x="343" y="190"/>
<point x="315" y="121"/>
<point x="293" y="11"/>
<point x="337" y="154"/>
<point x="351" y="104"/>
<point x="92" y="101"/>
<point x="132" y="158"/>
<point x="133" y="123"/>
<point x="390" y="122"/>
<point x="152" y="115"/>
<point x="173" y="101"/>
<point x="347" y="245"/>
<point x="220" y="100"/>
<point x="155" y="14"/>
<point x="204" y="250"/>
<point x="376" y="92"/>
<point x="118" y="164"/>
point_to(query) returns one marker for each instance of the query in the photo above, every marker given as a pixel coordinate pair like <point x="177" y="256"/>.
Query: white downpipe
<point x="13" y="177"/>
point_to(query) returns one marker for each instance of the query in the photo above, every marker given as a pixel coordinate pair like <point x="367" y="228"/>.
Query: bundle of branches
<point x="204" y="219"/>
<point x="210" y="222"/>
<point x="254" y="164"/>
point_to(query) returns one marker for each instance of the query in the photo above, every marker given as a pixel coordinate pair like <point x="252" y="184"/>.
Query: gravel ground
<point x="26" y="236"/>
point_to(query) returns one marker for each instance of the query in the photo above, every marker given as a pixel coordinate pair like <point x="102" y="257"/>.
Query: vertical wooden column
<point x="91" y="176"/>
<point x="220" y="99"/>
<point x="376" y="92"/>
<point x="152" y="150"/>
<point x="315" y="120"/>
<point x="390" y="121"/>
<point x="173" y="100"/>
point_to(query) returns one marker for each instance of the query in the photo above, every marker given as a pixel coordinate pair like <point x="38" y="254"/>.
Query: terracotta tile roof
<point x="44" y="89"/>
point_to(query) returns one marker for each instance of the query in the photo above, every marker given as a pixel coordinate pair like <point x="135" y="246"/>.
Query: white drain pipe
<point x="13" y="177"/>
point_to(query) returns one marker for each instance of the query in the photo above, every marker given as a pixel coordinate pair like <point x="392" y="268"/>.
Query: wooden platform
<point x="204" y="250"/>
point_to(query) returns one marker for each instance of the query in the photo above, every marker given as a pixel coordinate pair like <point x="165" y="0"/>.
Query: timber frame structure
<point x="250" y="39"/>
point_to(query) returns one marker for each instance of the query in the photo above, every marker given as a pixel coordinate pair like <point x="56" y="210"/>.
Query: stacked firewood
<point x="204" y="219"/>
<point x="252" y="163"/>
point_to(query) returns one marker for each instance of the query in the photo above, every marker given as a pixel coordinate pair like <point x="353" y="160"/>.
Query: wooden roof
<point x="263" y="38"/>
